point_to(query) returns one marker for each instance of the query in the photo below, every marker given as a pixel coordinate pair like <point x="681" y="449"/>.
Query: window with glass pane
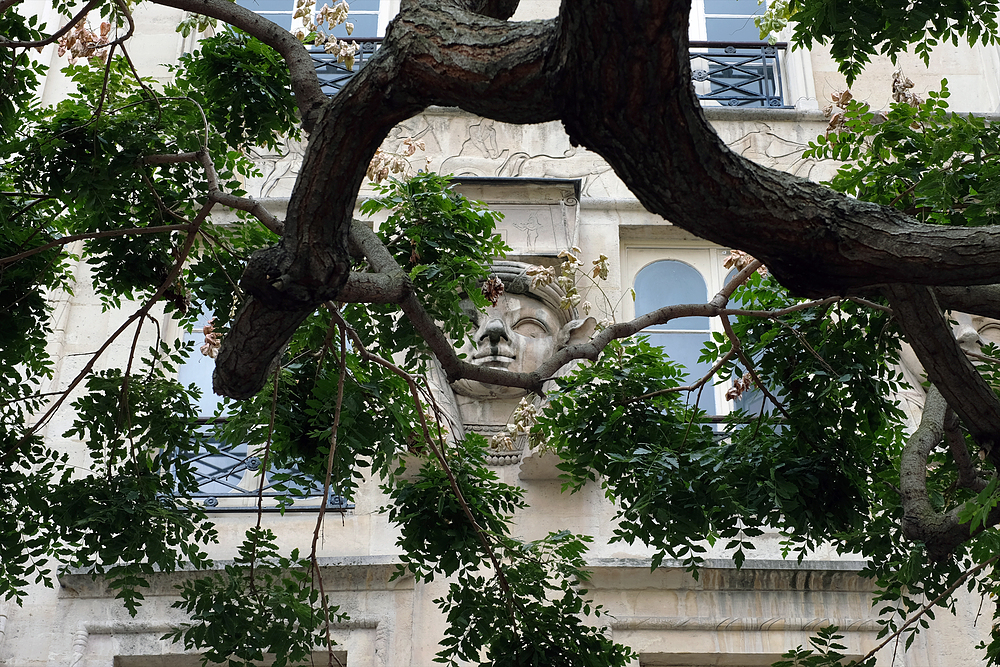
<point x="752" y="400"/>
<point x="229" y="475"/>
<point x="364" y="14"/>
<point x="278" y="11"/>
<point x="732" y="20"/>
<point x="668" y="283"/>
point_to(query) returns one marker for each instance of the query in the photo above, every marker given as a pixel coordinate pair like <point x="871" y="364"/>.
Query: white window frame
<point x="707" y="260"/>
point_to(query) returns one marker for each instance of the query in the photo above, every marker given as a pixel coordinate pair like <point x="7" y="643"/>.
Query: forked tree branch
<point x="941" y="532"/>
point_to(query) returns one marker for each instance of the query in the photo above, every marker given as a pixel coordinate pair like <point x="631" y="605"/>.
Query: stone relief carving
<point x="278" y="170"/>
<point x="537" y="229"/>
<point x="525" y="327"/>
<point x="491" y="149"/>
<point x="464" y="146"/>
<point x="764" y="146"/>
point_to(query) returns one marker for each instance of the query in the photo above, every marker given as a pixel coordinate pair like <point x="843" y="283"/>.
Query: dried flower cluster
<point x="523" y="420"/>
<point x="740" y="385"/>
<point x="329" y="16"/>
<point x="836" y="111"/>
<point x="901" y="86"/>
<point x="600" y="269"/>
<point x="901" y="89"/>
<point x="82" y="42"/>
<point x="493" y="289"/>
<point x="213" y="340"/>
<point x="386" y="162"/>
<point x="566" y="277"/>
<point x="740" y="260"/>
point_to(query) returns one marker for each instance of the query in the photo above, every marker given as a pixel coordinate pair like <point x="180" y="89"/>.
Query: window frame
<point x="707" y="260"/>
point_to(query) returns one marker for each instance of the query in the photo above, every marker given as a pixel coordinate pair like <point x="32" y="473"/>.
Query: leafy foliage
<point x="261" y="604"/>
<point x="435" y="534"/>
<point x="527" y="613"/>
<point x="445" y="243"/>
<point x="244" y="87"/>
<point x="857" y="29"/>
<point x="937" y="166"/>
<point x="537" y="619"/>
<point x="820" y="464"/>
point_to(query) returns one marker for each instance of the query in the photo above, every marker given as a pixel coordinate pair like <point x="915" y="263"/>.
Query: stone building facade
<point x="553" y="196"/>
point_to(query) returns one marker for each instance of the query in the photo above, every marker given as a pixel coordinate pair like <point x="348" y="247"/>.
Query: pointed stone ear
<point x="577" y="331"/>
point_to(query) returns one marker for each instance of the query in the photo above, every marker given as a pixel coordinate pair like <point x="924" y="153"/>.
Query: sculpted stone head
<point x="524" y="328"/>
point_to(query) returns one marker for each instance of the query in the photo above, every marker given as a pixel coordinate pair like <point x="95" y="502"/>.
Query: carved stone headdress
<point x="516" y="280"/>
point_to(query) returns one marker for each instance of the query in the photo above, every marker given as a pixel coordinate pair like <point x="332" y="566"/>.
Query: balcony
<point x="230" y="479"/>
<point x="735" y="74"/>
<point x="738" y="74"/>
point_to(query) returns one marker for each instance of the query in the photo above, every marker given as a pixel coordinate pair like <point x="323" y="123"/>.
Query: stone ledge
<point x="352" y="573"/>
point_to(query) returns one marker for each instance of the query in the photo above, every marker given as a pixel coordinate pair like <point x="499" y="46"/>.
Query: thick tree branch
<point x="941" y="532"/>
<point x="968" y="475"/>
<point x="363" y="238"/>
<point x="375" y="288"/>
<point x="497" y="9"/>
<point x="432" y="55"/>
<point x="617" y="73"/>
<point x="947" y="365"/>
<point x="627" y="95"/>
<point x="7" y="4"/>
<point x="983" y="300"/>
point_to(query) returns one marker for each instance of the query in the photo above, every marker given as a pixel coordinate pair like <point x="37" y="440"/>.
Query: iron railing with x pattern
<point x="334" y="75"/>
<point x="229" y="479"/>
<point x="736" y="74"/>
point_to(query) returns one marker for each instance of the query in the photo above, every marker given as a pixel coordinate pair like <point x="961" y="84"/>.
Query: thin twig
<point x="805" y="344"/>
<point x="54" y="37"/>
<point x="738" y="346"/>
<point x="933" y="603"/>
<point x="161" y="290"/>
<point x="697" y="385"/>
<point x="93" y="235"/>
<point x="326" y="491"/>
<point x="870" y="304"/>
<point x="453" y="483"/>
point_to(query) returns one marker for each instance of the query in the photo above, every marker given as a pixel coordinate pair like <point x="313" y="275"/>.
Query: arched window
<point x="752" y="400"/>
<point x="668" y="283"/>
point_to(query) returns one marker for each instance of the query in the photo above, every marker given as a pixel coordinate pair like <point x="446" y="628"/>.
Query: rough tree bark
<point x="617" y="74"/>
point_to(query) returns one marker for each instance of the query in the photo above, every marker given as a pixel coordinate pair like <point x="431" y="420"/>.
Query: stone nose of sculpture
<point x="967" y="336"/>
<point x="494" y="330"/>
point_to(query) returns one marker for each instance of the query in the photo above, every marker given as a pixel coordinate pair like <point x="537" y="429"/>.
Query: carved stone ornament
<point x="524" y="328"/>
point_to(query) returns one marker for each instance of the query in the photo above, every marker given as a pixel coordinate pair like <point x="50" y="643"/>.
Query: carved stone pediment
<point x="540" y="215"/>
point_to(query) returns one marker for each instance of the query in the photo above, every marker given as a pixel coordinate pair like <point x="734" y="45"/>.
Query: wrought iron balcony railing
<point x="735" y="74"/>
<point x="333" y="75"/>
<point x="229" y="479"/>
<point x="738" y="74"/>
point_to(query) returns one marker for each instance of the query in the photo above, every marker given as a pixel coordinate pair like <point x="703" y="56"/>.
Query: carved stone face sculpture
<point x="971" y="331"/>
<point x="517" y="334"/>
